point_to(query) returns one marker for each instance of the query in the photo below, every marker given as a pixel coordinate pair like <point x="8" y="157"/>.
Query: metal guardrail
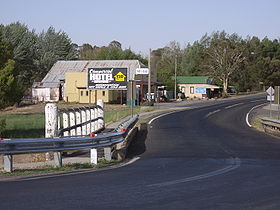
<point x="22" y="146"/>
<point x="270" y="123"/>
<point x="8" y="147"/>
<point x="271" y="126"/>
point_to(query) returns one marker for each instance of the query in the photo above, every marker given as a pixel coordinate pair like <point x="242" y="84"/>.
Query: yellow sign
<point x="120" y="77"/>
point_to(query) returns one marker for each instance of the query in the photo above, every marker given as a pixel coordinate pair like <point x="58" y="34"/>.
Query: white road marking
<point x="256" y="100"/>
<point x="152" y="120"/>
<point x="211" y="113"/>
<point x="234" y="105"/>
<point x="235" y="163"/>
<point x="78" y="172"/>
<point x="247" y="115"/>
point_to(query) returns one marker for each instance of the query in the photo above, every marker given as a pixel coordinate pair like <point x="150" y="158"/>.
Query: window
<point x="103" y="93"/>
<point x="82" y="93"/>
<point x="192" y="90"/>
<point x="86" y="93"/>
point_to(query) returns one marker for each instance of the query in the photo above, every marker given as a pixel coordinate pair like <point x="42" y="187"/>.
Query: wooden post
<point x="51" y="126"/>
<point x="100" y="113"/>
<point x="51" y="120"/>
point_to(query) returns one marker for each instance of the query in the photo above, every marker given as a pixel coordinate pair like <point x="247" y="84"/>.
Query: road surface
<point x="205" y="157"/>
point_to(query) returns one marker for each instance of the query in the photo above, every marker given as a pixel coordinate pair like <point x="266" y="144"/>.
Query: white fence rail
<point x="73" y="122"/>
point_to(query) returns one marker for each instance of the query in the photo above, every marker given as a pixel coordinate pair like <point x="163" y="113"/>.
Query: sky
<point x="144" y="24"/>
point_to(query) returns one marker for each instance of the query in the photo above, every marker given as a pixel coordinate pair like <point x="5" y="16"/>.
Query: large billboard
<point x="107" y="78"/>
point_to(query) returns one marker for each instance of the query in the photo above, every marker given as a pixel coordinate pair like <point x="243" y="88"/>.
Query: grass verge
<point x="50" y="169"/>
<point x="33" y="125"/>
<point x="257" y="124"/>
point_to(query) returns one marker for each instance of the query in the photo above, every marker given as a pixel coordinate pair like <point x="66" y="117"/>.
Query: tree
<point x="193" y="57"/>
<point x="24" y="48"/>
<point x="10" y="92"/>
<point x="115" y="44"/>
<point x="224" y="57"/>
<point x="53" y="46"/>
<point x="166" y="66"/>
<point x="111" y="52"/>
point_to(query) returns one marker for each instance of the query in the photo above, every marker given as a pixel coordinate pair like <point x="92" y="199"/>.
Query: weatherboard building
<point x="114" y="81"/>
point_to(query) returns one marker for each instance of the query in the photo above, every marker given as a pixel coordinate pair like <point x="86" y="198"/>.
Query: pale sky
<point x="145" y="24"/>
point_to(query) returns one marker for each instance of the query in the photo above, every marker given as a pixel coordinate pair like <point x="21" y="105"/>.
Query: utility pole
<point x="149" y="77"/>
<point x="175" y="78"/>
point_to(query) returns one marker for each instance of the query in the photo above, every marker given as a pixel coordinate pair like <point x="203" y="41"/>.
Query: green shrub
<point x="2" y="126"/>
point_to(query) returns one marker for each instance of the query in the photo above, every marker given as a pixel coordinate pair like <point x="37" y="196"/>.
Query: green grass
<point x="24" y="125"/>
<point x="257" y="124"/>
<point x="65" y="168"/>
<point x="113" y="116"/>
<point x="33" y="125"/>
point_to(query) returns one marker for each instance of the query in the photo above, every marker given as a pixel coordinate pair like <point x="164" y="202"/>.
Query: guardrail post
<point x="93" y="156"/>
<point x="58" y="159"/>
<point x="107" y="153"/>
<point x="8" y="163"/>
<point x="51" y="123"/>
<point x="100" y="114"/>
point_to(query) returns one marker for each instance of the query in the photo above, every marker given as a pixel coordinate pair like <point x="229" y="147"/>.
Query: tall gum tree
<point x="224" y="57"/>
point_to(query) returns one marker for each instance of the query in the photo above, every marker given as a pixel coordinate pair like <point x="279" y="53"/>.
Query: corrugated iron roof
<point x="57" y="72"/>
<point x="193" y="80"/>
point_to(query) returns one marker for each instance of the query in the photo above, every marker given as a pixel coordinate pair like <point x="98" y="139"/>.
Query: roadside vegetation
<point x="257" y="124"/>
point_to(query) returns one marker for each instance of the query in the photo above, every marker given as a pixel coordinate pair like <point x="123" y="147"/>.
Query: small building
<point x="68" y="81"/>
<point x="198" y="87"/>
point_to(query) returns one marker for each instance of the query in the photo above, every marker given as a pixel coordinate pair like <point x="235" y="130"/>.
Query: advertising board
<point x="107" y="78"/>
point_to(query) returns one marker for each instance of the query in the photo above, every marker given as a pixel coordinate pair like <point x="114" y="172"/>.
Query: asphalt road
<point x="205" y="157"/>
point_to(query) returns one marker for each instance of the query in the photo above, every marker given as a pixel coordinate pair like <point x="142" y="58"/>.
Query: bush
<point x="2" y="126"/>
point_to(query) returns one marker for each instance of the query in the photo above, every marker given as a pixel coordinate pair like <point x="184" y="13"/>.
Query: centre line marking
<point x="211" y="113"/>
<point x="256" y="100"/>
<point x="234" y="105"/>
<point x="235" y="163"/>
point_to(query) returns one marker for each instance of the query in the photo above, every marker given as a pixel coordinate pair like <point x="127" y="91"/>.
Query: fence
<point x="68" y="129"/>
<point x="9" y="147"/>
<point x="73" y="122"/>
